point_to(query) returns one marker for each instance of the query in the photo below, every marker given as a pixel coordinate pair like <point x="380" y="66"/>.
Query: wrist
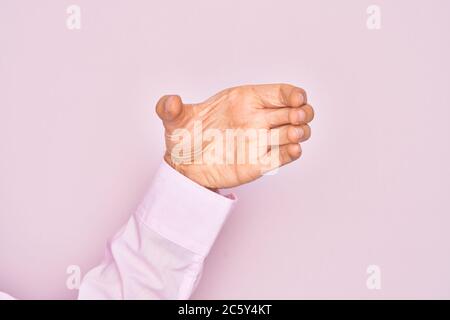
<point x="185" y="172"/>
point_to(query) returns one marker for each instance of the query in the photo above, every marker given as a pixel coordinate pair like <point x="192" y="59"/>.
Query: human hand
<point x="220" y="143"/>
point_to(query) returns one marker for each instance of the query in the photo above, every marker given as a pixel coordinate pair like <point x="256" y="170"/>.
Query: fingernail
<point x="302" y="98"/>
<point x="299" y="132"/>
<point x="301" y="115"/>
<point x="167" y="104"/>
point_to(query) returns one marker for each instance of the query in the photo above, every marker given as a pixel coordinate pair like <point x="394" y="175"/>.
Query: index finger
<point x="281" y="95"/>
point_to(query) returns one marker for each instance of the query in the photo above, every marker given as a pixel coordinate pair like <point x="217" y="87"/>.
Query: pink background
<point x="79" y="140"/>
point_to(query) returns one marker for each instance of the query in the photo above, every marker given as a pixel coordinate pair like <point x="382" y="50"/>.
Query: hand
<point x="211" y="142"/>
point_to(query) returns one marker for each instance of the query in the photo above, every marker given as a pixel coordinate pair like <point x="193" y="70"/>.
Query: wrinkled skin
<point x="279" y="107"/>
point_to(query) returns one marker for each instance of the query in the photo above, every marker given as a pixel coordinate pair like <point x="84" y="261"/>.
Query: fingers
<point x="291" y="134"/>
<point x="289" y="153"/>
<point x="282" y="116"/>
<point x="280" y="95"/>
<point x="304" y="114"/>
<point x="170" y="108"/>
<point x="280" y="156"/>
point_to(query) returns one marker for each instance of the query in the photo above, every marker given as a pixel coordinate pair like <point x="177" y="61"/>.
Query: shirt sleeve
<point x="4" y="296"/>
<point x="159" y="253"/>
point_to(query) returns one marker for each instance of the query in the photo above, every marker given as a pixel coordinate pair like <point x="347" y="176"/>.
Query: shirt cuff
<point x="183" y="211"/>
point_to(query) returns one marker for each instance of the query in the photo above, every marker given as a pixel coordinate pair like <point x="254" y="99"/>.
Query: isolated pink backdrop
<point x="79" y="140"/>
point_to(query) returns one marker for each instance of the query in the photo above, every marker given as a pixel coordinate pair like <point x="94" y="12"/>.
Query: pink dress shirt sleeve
<point x="4" y="296"/>
<point x="160" y="252"/>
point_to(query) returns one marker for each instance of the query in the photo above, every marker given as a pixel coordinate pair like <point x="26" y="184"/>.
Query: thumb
<point x="170" y="108"/>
